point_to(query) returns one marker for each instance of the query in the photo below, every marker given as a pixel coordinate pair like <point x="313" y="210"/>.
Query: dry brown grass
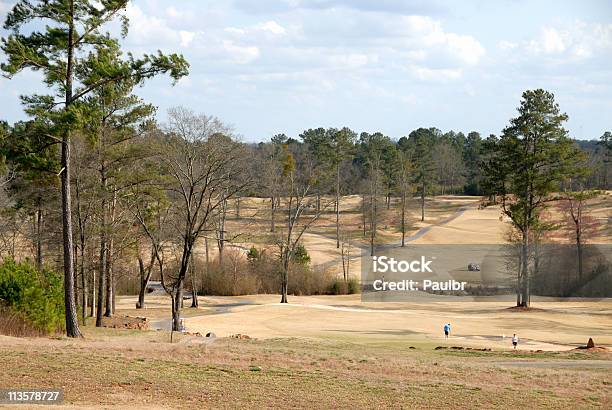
<point x="12" y="324"/>
<point x="131" y="369"/>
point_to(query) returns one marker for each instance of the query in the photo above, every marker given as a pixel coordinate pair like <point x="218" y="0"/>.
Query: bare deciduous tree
<point x="202" y="163"/>
<point x="579" y="220"/>
<point x="404" y="185"/>
<point x="298" y="187"/>
<point x="346" y="249"/>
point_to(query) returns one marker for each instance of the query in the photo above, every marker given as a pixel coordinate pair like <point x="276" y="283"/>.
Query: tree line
<point x="91" y="179"/>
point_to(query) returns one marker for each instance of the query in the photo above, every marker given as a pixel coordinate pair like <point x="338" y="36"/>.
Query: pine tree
<point x="526" y="167"/>
<point x="71" y="42"/>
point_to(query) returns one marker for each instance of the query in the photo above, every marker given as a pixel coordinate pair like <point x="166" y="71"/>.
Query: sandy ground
<point x="552" y="326"/>
<point x="472" y="226"/>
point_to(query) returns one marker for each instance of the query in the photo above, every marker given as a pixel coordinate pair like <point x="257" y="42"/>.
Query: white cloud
<point x="235" y="30"/>
<point x="314" y="41"/>
<point x="241" y="54"/>
<point x="552" y="41"/>
<point x="576" y="41"/>
<point x="186" y="37"/>
<point x="147" y="29"/>
<point x="174" y="13"/>
<point x="582" y="51"/>
<point x="272" y="27"/>
<point x="417" y="55"/>
<point x="353" y="61"/>
<point x="466" y="48"/>
<point x="507" y="45"/>
<point x="425" y="31"/>
<point x="435" y="74"/>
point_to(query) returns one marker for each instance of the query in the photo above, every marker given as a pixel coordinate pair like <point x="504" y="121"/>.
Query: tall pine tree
<point x="526" y="167"/>
<point x="69" y="42"/>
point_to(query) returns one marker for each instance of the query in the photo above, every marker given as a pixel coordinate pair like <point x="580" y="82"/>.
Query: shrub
<point x="340" y="287"/>
<point x="353" y="286"/>
<point x="259" y="272"/>
<point x="253" y="254"/>
<point x="37" y="297"/>
<point x="306" y="281"/>
<point x="233" y="277"/>
<point x="300" y="255"/>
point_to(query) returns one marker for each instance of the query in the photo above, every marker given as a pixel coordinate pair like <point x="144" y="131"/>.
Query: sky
<point x="281" y="66"/>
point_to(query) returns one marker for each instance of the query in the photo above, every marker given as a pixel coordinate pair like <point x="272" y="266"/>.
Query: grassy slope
<point x="134" y="369"/>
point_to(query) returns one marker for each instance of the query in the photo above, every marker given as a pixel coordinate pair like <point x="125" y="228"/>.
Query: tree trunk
<point x="145" y="276"/>
<point x="363" y="213"/>
<point x="338" y="206"/>
<point x="103" y="265"/>
<point x="176" y="312"/>
<point x="207" y="254"/>
<point x="221" y="231"/>
<point x="285" y="277"/>
<point x="102" y="268"/>
<point x="92" y="308"/>
<point x="525" y="269"/>
<point x="177" y="304"/>
<point x="84" y="280"/>
<point x="76" y="279"/>
<point x="100" y="299"/>
<point x="343" y="264"/>
<point x="143" y="285"/>
<point x="72" y="324"/>
<point x="206" y="264"/>
<point x="194" y="287"/>
<point x="403" y="218"/>
<point x="372" y="222"/>
<point x="423" y="202"/>
<point x="108" y="291"/>
<point x="194" y="296"/>
<point x="83" y="285"/>
<point x="273" y="209"/>
<point x="177" y="291"/>
<point x="348" y="262"/>
<point x="579" y="249"/>
<point x="110" y="277"/>
<point x="113" y="287"/>
<point x="39" y="257"/>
